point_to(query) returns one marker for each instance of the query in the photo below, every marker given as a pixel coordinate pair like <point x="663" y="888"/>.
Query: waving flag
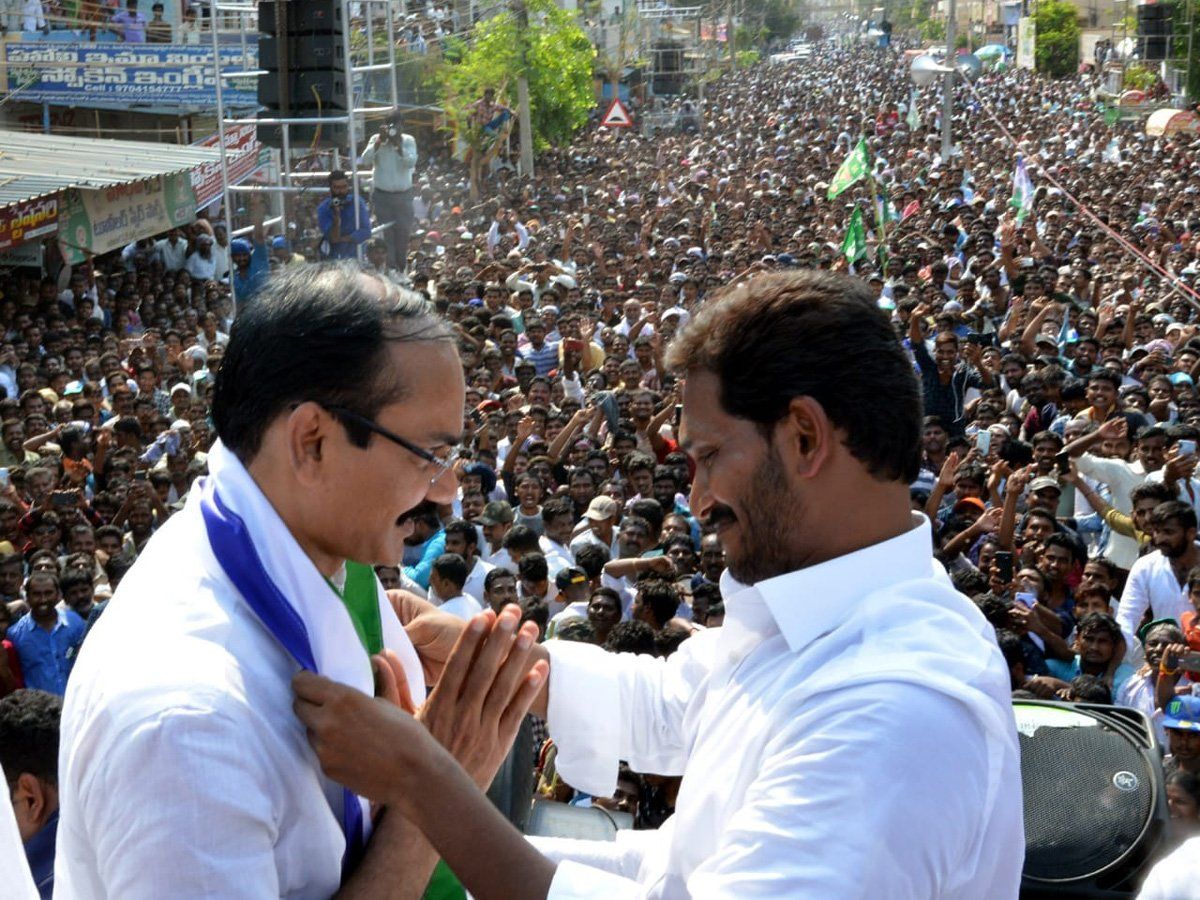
<point x="913" y="120"/>
<point x="856" y="167"/>
<point x="1022" y="195"/>
<point x="854" y="247"/>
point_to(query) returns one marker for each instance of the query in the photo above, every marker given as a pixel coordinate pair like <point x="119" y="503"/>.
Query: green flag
<point x="913" y="119"/>
<point x="1112" y="116"/>
<point x="856" y="166"/>
<point x="854" y="247"/>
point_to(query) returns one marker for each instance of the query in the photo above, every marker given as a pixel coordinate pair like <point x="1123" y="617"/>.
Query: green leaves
<point x="558" y="59"/>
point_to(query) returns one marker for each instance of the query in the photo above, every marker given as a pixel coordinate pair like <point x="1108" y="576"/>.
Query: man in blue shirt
<point x="130" y="24"/>
<point x="343" y="223"/>
<point x="29" y="726"/>
<point x="250" y="263"/>
<point x="1097" y="639"/>
<point x="44" y="637"/>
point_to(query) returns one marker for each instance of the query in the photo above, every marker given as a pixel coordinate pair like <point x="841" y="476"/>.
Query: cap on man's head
<point x="1183" y="713"/>
<point x="601" y="508"/>
<point x="487" y="476"/>
<point x="498" y="512"/>
<point x="569" y="576"/>
<point x="1045" y="482"/>
<point x="240" y="245"/>
<point x="969" y="503"/>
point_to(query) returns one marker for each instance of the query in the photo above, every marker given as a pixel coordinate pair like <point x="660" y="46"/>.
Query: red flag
<point x="910" y="209"/>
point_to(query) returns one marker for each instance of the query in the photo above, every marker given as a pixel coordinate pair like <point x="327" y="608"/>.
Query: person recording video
<point x="394" y="155"/>
<point x="344" y="223"/>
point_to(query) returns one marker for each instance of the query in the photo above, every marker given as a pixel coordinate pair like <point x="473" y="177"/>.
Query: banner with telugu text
<point x="135" y="74"/>
<point x="27" y="220"/>
<point x="104" y="220"/>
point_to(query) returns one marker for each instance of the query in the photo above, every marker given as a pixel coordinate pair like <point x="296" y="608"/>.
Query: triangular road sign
<point x="617" y="116"/>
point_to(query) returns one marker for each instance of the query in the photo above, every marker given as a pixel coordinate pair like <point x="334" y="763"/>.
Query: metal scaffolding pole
<point x="358" y="92"/>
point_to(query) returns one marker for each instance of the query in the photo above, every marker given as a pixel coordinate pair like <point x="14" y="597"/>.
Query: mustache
<point x="719" y="515"/>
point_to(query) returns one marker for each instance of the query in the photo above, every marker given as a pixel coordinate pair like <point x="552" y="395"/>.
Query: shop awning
<point x="36" y="165"/>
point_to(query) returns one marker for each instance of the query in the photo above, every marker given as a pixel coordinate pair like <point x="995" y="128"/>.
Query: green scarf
<point x="361" y="598"/>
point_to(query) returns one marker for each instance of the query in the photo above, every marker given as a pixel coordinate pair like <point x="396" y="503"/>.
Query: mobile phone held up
<point x="1004" y="565"/>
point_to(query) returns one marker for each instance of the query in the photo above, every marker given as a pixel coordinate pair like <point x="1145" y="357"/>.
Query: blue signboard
<point x="177" y="75"/>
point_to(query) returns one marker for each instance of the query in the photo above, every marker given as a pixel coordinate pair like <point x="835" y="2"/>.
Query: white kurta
<point x="848" y="732"/>
<point x="183" y="771"/>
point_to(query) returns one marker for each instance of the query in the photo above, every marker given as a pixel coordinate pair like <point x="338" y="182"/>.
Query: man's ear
<point x="806" y="437"/>
<point x="34" y="802"/>
<point x="307" y="433"/>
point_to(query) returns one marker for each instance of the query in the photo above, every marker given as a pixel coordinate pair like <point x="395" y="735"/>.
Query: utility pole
<point x="948" y="85"/>
<point x="524" y="120"/>
<point x="729" y="35"/>
<point x="619" y="66"/>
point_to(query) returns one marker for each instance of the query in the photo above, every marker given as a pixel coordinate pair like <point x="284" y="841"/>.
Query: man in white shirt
<point x="463" y="539"/>
<point x="394" y="156"/>
<point x="446" y="580"/>
<point x="172" y="250"/>
<point x="1120" y="475"/>
<point x="182" y="767"/>
<point x="598" y="523"/>
<point x="1158" y="581"/>
<point x="843" y="640"/>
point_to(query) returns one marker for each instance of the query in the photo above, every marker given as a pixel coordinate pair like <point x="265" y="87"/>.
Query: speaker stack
<point x="301" y="48"/>
<point x="1154" y="30"/>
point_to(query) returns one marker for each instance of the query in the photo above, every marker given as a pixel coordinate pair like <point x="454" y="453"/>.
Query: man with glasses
<point x="339" y="408"/>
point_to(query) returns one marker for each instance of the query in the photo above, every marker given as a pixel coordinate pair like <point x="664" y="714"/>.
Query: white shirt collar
<point x="810" y="602"/>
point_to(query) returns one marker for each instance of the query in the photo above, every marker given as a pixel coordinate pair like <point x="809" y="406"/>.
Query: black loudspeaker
<point x="1154" y="30"/>
<point x="1095" y="804"/>
<point x="302" y="53"/>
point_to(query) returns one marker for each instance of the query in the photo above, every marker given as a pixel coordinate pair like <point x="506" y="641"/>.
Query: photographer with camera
<point x="394" y="155"/>
<point x="343" y="223"/>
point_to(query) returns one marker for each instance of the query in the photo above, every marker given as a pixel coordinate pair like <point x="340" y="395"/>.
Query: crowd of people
<point x="1058" y="372"/>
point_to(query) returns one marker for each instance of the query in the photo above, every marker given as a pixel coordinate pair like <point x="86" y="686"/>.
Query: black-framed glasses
<point x="444" y="463"/>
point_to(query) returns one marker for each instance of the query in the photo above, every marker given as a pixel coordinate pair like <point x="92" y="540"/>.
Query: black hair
<point x="453" y="568"/>
<point x="316" y="333"/>
<point x="556" y="507"/>
<point x="577" y="630"/>
<point x="1090" y="689"/>
<point x="660" y="597"/>
<point x="1177" y="510"/>
<point x="1099" y="622"/>
<point x="1152" y="490"/>
<point x="521" y="538"/>
<point x="337" y="175"/>
<point x="815" y="334"/>
<point x="651" y="511"/>
<point x="667" y="640"/>
<point x="1106" y="375"/>
<point x="29" y="723"/>
<point x="465" y="530"/>
<point x="533" y="567"/>
<point x="1058" y="539"/>
<point x="1010" y="647"/>
<point x="1186" y="782"/>
<point x="489" y="580"/>
<point x="592" y="559"/>
<point x="631" y="637"/>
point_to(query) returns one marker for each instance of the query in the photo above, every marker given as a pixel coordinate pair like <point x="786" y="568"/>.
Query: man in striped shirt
<point x="539" y="351"/>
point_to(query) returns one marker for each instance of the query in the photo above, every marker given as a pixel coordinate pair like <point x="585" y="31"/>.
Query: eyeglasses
<point x="444" y="463"/>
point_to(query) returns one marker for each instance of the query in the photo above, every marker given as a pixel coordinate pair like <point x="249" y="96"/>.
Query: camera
<point x="335" y="202"/>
